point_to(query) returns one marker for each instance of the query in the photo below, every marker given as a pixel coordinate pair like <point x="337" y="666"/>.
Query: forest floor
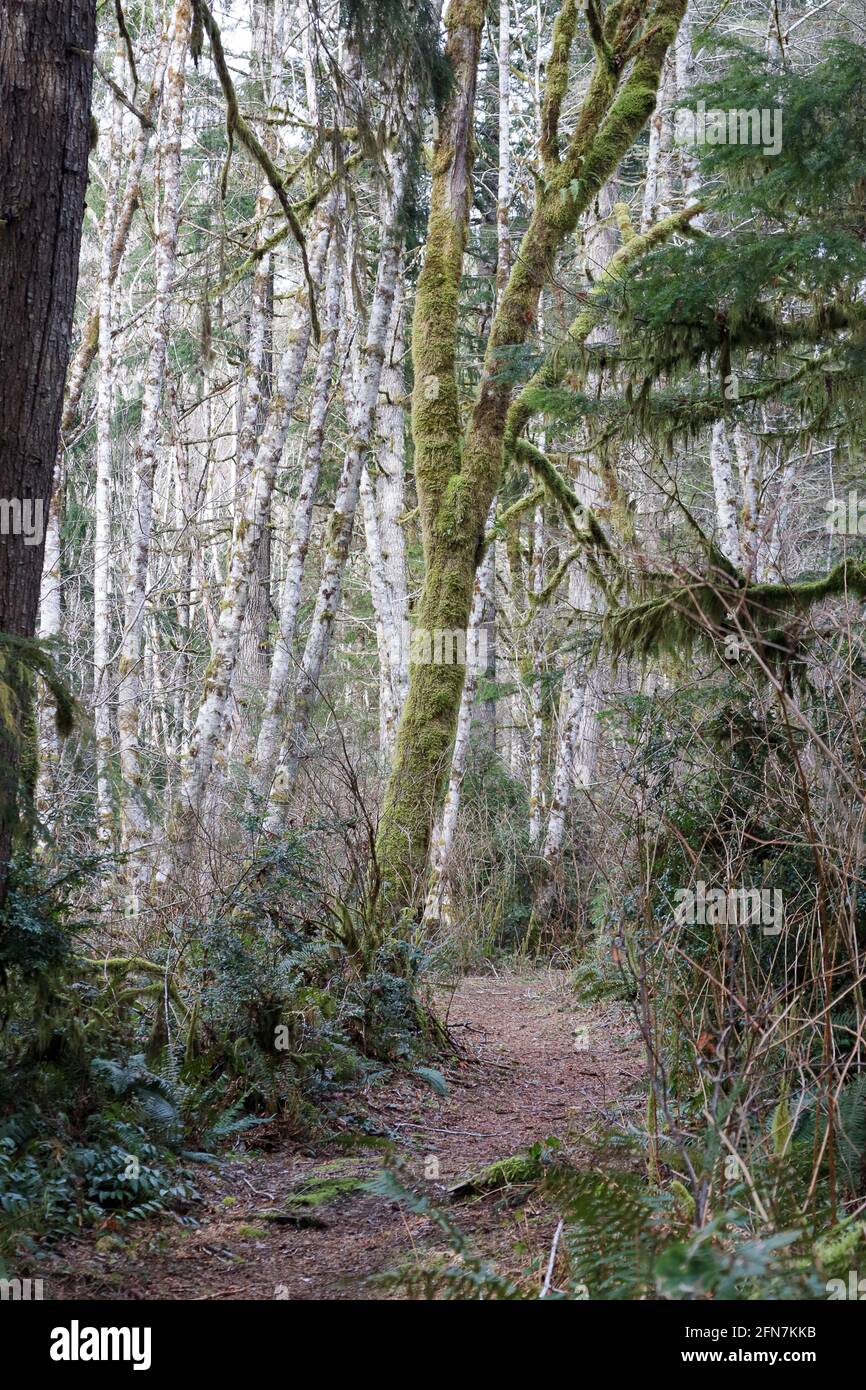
<point x="533" y="1064"/>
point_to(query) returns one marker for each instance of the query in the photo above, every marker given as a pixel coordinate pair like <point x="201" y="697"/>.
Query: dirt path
<point x="534" y="1066"/>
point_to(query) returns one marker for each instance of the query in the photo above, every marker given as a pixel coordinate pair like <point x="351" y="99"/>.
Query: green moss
<point x="458" y="475"/>
<point x="556" y="84"/>
<point x="685" y="1202"/>
<point x="841" y="1249"/>
<point x="468" y="14"/>
<point x="516" y="1170"/>
<point x="316" y="1192"/>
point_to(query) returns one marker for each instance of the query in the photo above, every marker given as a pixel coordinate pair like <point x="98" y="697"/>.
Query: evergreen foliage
<point x="775" y="299"/>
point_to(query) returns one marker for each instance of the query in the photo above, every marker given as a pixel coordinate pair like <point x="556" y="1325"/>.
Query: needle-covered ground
<point x="295" y="1222"/>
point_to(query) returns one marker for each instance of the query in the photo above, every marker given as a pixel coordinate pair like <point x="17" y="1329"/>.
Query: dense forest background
<point x="453" y="565"/>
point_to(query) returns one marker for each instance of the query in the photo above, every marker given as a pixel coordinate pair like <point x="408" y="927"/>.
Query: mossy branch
<point x="680" y="615"/>
<point x="552" y="370"/>
<point x="628" y="113"/>
<point x="556" y="81"/>
<point x="595" y="25"/>
<point x="124" y="965"/>
<point x="237" y="125"/>
<point x="523" y="504"/>
<point x="553" y="583"/>
<point x="134" y="992"/>
<point x="584" y="522"/>
<point x="622" y="214"/>
<point x="846" y="578"/>
<point x="23" y="656"/>
<point x="671" y="414"/>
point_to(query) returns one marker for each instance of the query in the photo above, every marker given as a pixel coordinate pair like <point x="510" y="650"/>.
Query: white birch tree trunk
<point x="569" y="754"/>
<point x="267" y="746"/>
<point x="725" y="494"/>
<point x="505" y="660"/>
<point x="135" y="818"/>
<point x="391" y="494"/>
<point x="657" y="184"/>
<point x="339" y="534"/>
<point x="102" y="529"/>
<point x="252" y="389"/>
<point x="251" y="666"/>
<point x="382" y="613"/>
<point x="382" y="497"/>
<point x="208" y="736"/>
<point x="577" y="734"/>
<point x="748" y="464"/>
<point x="685" y="76"/>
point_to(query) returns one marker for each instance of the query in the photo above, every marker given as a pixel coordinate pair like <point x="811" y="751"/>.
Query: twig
<point x="118" y="91"/>
<point x="551" y="1262"/>
<point x="258" y="1192"/>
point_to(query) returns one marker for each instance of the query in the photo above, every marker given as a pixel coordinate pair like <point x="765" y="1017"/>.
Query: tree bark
<point x="536" y="689"/>
<point x="45" y="90"/>
<point x="267" y="746"/>
<point x="136" y="819"/>
<point x="338" y="540"/>
<point x="436" y="910"/>
<point x="391" y="495"/>
<point x="205" y="742"/>
<point x="725" y="494"/>
<point x="458" y="473"/>
<point x="102" y="526"/>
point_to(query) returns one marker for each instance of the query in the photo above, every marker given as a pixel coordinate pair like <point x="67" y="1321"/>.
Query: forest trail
<point x="534" y="1065"/>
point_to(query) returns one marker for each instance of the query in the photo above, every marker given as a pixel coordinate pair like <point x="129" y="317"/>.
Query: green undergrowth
<point x="623" y="1237"/>
<point x="122" y="1074"/>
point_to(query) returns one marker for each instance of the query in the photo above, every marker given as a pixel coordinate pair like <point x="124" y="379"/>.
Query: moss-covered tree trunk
<point x="457" y="472"/>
